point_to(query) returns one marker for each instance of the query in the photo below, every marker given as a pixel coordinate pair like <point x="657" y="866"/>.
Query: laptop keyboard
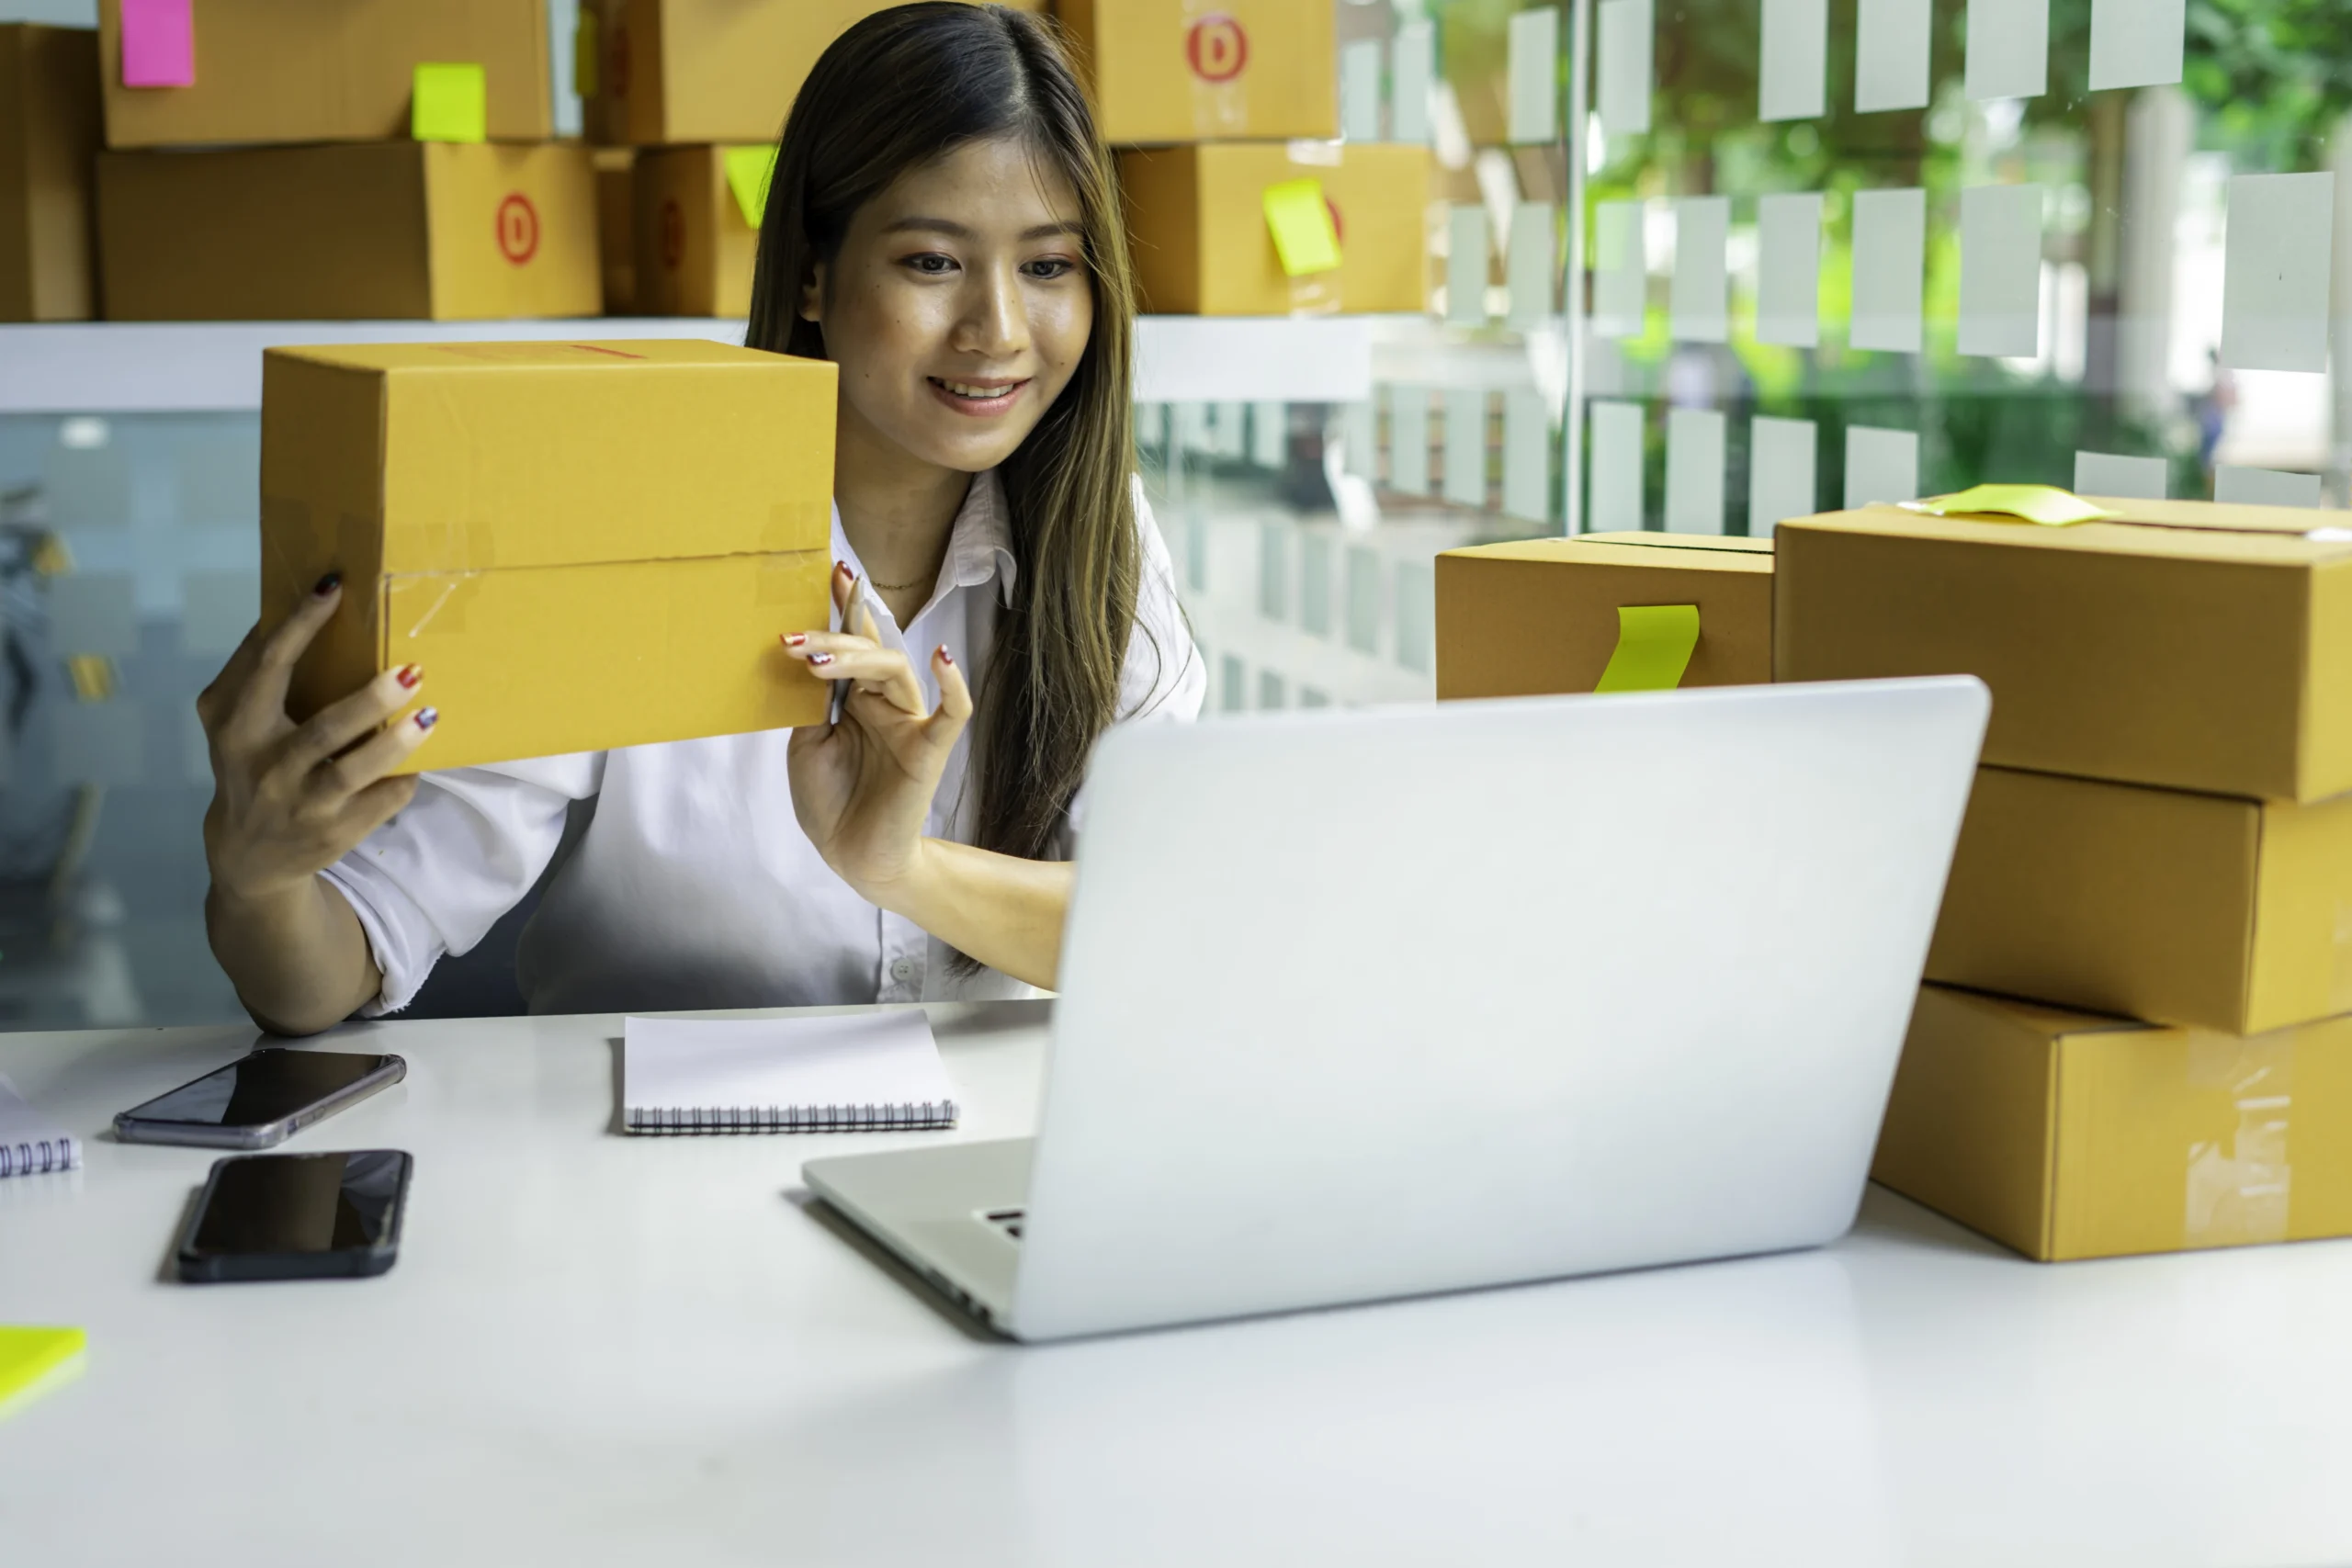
<point x="1006" y="1220"/>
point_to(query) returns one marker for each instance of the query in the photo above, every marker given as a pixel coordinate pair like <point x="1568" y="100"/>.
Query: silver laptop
<point x="1359" y="1005"/>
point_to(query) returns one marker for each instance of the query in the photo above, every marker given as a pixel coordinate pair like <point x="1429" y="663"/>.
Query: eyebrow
<point x="955" y="230"/>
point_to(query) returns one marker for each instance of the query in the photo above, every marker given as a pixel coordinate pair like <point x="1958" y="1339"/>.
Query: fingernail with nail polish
<point x="946" y="657"/>
<point x="327" y="584"/>
<point x="409" y="676"/>
<point x="821" y="658"/>
<point x="796" y="639"/>
<point x="427" y="717"/>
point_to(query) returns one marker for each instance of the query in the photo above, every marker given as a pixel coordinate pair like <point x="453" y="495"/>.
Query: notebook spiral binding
<point x="40" y="1157"/>
<point x="789" y="1118"/>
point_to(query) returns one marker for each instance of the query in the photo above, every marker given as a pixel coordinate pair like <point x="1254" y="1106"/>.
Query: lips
<point x="980" y="398"/>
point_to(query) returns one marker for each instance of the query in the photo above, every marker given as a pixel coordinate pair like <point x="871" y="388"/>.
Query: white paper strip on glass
<point x="1891" y="54"/>
<point x="1890" y="258"/>
<point x="1781" y="472"/>
<point x="1792" y="65"/>
<point x="1360" y="90"/>
<point x="1465" y="447"/>
<point x="1881" y="465"/>
<point x="2000" y="270"/>
<point x="1623" y="64"/>
<point x="1788" y="269"/>
<point x="1465" y="265"/>
<point x="1527" y="457"/>
<point x="2275" y="266"/>
<point x="1699" y="306"/>
<point x="2264" y="487"/>
<point x="1621" y="274"/>
<point x="1534" y="76"/>
<point x="1408" y="440"/>
<point x="1615" y="463"/>
<point x="2008" y="49"/>
<point x="1694" y="471"/>
<point x="1531" y="264"/>
<point x="2109" y="473"/>
<point x="1413" y="66"/>
<point x="2136" y="43"/>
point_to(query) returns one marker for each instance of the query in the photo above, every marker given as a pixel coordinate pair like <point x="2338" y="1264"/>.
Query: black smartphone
<point x="296" y="1217"/>
<point x="260" y="1099"/>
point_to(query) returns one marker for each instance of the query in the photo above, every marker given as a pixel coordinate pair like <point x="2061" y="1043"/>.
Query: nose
<point x="995" y="323"/>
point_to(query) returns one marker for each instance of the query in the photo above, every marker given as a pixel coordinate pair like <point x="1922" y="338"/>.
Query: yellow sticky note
<point x="584" y="54"/>
<point x="1300" y="220"/>
<point x="31" y="1356"/>
<point x="1653" y="644"/>
<point x="450" y="103"/>
<point x="749" y="170"/>
<point x="2045" y="504"/>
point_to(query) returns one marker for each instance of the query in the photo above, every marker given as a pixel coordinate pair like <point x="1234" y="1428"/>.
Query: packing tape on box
<point x="433" y="600"/>
<point x="2239" y="1190"/>
<point x="440" y="544"/>
<point x="784" y="577"/>
<point x="796" y="526"/>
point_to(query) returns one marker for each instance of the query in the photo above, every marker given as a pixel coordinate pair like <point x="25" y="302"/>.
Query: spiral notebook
<point x="860" y="1072"/>
<point x="30" y="1142"/>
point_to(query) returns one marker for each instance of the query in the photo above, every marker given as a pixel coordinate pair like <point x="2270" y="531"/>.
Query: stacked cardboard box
<point x="701" y="88"/>
<point x="49" y="131"/>
<point x="1240" y="199"/>
<point x="2162" y="832"/>
<point x="368" y="159"/>
<point x="1545" y="616"/>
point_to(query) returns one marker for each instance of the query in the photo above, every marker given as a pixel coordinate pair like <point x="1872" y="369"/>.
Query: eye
<point x="932" y="263"/>
<point x="1050" y="267"/>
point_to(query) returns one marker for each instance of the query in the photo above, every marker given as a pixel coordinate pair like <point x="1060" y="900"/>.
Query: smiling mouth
<point x="978" y="397"/>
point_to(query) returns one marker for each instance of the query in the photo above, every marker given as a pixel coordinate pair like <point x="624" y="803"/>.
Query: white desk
<point x="606" y="1349"/>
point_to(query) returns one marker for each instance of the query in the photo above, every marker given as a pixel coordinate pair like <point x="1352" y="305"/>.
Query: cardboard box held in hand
<point x="2068" y="1135"/>
<point x="48" y="131"/>
<point x="582" y="544"/>
<point x="1548" y="615"/>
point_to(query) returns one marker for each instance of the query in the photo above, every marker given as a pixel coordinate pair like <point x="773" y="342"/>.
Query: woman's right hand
<point x="289" y="799"/>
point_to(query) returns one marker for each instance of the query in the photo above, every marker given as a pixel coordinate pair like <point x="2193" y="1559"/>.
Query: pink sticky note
<point x="158" y="43"/>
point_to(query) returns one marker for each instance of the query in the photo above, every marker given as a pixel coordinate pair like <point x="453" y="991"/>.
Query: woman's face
<point x="960" y="305"/>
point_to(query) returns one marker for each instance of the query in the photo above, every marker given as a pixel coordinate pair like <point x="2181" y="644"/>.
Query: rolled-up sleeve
<point x="436" y="877"/>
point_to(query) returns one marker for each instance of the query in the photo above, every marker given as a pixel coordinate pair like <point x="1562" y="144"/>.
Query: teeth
<point x="966" y="390"/>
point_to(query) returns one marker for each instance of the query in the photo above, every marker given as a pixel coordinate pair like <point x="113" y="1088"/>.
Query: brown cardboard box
<point x="49" y="132"/>
<point x="2067" y="1135"/>
<point x="671" y="72"/>
<point x="2195" y="909"/>
<point x="583" y="545"/>
<point x="694" y="249"/>
<point x="1202" y="246"/>
<point x="377" y="231"/>
<point x="1174" y="70"/>
<point x="2197" y="646"/>
<point x="330" y="70"/>
<point x="616" y="227"/>
<point x="1540" y="616"/>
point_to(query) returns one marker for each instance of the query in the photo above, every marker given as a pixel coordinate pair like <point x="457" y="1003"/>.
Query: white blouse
<point x="693" y="885"/>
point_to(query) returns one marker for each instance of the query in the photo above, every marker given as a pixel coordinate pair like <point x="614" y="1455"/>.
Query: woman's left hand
<point x="863" y="788"/>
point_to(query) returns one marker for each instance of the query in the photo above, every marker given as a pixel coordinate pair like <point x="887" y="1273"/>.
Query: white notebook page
<point x="29" y="1142"/>
<point x="878" y="1068"/>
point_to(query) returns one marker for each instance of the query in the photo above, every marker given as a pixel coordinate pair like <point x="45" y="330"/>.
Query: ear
<point x="812" y="291"/>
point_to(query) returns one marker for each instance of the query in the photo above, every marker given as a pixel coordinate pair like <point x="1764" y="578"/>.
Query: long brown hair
<point x="899" y="89"/>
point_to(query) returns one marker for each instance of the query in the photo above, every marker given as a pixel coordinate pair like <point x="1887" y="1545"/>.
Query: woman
<point x="944" y="225"/>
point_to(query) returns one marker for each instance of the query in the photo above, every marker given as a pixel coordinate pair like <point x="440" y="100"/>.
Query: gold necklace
<point x="902" y="587"/>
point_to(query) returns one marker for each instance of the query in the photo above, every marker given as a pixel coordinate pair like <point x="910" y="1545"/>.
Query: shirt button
<point x="903" y="970"/>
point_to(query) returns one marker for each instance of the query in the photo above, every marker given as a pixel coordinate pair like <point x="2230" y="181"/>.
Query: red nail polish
<point x="946" y="657"/>
<point x="427" y="717"/>
<point x="821" y="658"/>
<point x="409" y="676"/>
<point x="796" y="639"/>
<point x="327" y="584"/>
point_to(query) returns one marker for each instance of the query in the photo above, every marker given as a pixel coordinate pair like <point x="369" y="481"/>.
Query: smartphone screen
<point x="265" y="1087"/>
<point x="287" y="1206"/>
